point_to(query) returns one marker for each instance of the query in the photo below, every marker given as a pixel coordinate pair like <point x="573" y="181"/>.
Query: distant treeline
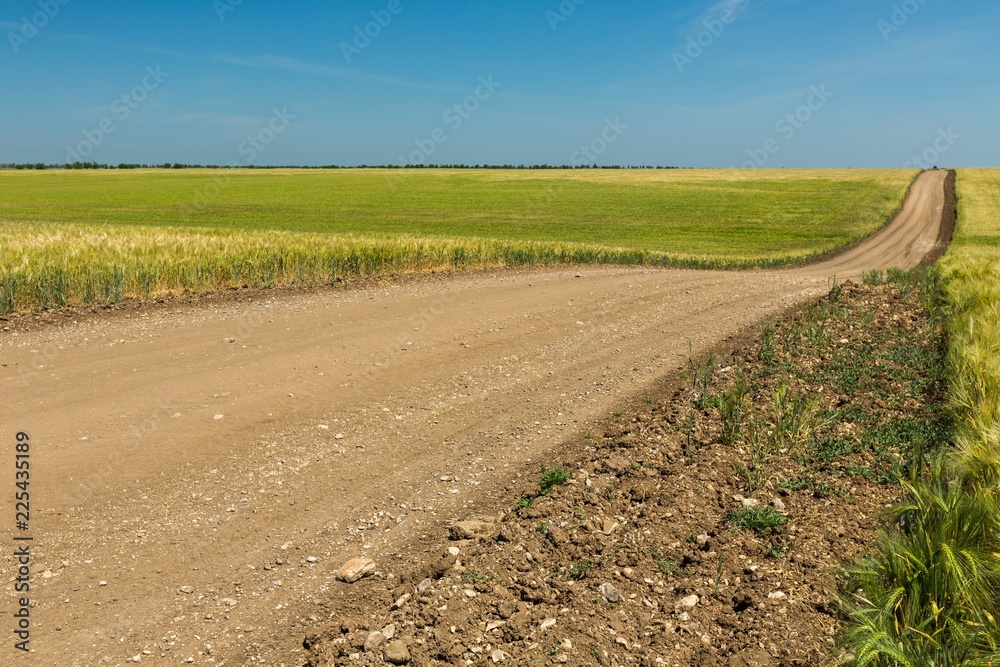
<point x="176" y="165"/>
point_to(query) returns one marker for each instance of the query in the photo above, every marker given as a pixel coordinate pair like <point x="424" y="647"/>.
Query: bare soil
<point x="199" y="473"/>
<point x="638" y="558"/>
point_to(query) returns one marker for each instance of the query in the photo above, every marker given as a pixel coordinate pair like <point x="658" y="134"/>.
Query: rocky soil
<point x="651" y="550"/>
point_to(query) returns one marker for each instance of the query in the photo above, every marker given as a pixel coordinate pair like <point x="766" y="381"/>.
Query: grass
<point x="579" y="569"/>
<point x="763" y="435"/>
<point x="733" y="408"/>
<point x="701" y="371"/>
<point x="100" y="237"/>
<point x="927" y="595"/>
<point x="551" y="478"/>
<point x="758" y="519"/>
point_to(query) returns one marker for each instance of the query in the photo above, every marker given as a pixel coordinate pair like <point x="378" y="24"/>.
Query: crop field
<point x="972" y="268"/>
<point x="99" y="237"/>
<point x="949" y="548"/>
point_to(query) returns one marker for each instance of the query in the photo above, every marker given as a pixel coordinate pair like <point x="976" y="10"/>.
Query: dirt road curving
<point x="198" y="475"/>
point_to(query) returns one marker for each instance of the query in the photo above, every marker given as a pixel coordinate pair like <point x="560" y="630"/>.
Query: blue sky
<point x="776" y="83"/>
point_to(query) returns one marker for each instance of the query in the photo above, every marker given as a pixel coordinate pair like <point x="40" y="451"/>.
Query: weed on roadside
<point x="758" y="519"/>
<point x="551" y="478"/>
<point x="700" y="372"/>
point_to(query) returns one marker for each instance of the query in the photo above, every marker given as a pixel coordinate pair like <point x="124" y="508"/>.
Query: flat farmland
<point x="730" y="215"/>
<point x="99" y="237"/>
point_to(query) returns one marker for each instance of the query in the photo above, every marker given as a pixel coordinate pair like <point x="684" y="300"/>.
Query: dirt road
<point x="198" y="475"/>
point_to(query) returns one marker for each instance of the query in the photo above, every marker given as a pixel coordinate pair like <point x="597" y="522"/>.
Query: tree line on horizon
<point x="41" y="166"/>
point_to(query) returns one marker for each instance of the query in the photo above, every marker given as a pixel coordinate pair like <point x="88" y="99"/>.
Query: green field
<point x="100" y="236"/>
<point x="972" y="269"/>
<point x="929" y="592"/>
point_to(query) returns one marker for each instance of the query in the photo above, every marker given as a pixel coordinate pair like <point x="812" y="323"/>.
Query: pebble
<point x="497" y="657"/>
<point x="469" y="530"/>
<point x="355" y="569"/>
<point x="375" y="642"/>
<point x="548" y="623"/>
<point x="690" y="602"/>
<point x="396" y="653"/>
<point x="611" y="594"/>
<point x="219" y="417"/>
<point x="187" y="590"/>
<point x="777" y="504"/>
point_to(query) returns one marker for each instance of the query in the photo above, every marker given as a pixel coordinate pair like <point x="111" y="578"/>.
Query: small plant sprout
<point x="758" y="519"/>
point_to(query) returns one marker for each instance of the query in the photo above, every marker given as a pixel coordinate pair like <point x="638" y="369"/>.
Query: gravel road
<point x="199" y="474"/>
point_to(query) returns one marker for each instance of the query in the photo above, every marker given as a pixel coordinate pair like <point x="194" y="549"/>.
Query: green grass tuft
<point x="758" y="519"/>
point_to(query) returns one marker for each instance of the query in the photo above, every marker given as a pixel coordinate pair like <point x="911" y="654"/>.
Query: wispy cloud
<point x="529" y="97"/>
<point x="266" y="61"/>
<point x="694" y="21"/>
<point x="277" y="62"/>
<point x="271" y="61"/>
<point x="219" y="119"/>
